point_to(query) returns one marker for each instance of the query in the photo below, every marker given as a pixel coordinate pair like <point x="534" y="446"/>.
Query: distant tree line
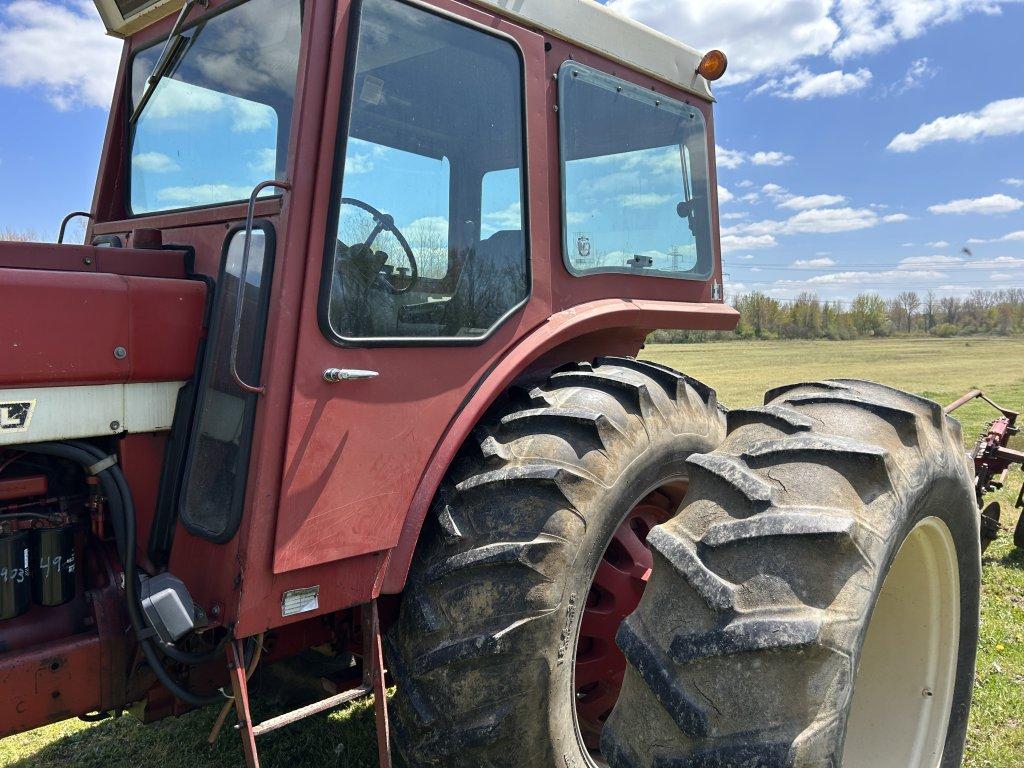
<point x="868" y="315"/>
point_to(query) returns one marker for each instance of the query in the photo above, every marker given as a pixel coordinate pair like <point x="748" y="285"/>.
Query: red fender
<point x="610" y="326"/>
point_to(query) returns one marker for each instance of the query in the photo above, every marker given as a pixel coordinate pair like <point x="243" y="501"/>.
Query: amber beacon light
<point x="713" y="65"/>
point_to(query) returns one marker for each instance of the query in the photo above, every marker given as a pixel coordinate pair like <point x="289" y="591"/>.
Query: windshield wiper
<point x="169" y="54"/>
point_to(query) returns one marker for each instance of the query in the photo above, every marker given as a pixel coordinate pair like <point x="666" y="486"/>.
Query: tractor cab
<point x="328" y="238"/>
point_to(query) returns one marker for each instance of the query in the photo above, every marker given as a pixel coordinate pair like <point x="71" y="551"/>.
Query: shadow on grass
<point x="1014" y="559"/>
<point x="343" y="739"/>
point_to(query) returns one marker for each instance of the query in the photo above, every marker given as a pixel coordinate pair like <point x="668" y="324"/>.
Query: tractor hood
<point x="78" y="315"/>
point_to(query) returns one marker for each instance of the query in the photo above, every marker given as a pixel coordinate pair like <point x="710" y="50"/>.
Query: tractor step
<point x="373" y="684"/>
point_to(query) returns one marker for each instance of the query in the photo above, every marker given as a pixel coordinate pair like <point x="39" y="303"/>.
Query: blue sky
<point x="864" y="143"/>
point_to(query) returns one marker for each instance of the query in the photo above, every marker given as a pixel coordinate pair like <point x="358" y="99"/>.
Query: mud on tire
<point x="484" y="647"/>
<point x="745" y="648"/>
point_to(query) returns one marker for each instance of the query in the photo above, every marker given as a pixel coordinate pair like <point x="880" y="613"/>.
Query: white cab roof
<point x="592" y="26"/>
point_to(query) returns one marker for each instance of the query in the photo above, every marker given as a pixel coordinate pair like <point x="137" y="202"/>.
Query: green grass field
<point x="741" y="372"/>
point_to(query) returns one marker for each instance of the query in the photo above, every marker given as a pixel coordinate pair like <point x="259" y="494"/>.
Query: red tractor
<point x="349" y="364"/>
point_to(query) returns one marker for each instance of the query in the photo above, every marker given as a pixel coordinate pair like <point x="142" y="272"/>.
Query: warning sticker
<point x="16" y="417"/>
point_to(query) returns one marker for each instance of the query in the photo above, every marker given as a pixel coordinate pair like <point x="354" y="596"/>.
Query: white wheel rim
<point x="903" y="691"/>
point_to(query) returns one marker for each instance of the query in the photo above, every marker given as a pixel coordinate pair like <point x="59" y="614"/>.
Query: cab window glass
<point x="422" y="248"/>
<point x="218" y="122"/>
<point x="635" y="175"/>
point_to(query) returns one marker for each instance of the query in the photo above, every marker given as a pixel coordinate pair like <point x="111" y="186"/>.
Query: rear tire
<point x="484" y="649"/>
<point x="751" y="646"/>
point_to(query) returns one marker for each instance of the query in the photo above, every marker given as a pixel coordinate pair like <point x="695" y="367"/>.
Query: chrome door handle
<point x="334" y="375"/>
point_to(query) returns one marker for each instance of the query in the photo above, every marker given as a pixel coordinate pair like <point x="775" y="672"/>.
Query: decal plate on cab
<point x="296" y="601"/>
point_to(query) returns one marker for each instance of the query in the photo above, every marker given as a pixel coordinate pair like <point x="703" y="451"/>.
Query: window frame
<point x="250" y="400"/>
<point x="128" y="129"/>
<point x="337" y="184"/>
<point x="642" y="94"/>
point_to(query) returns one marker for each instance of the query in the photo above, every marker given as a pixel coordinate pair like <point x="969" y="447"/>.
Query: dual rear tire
<point x="768" y="634"/>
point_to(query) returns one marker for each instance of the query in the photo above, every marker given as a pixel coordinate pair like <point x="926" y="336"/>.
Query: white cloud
<point x="938" y="244"/>
<point x="646" y="200"/>
<point x="872" y="25"/>
<point x="724" y="195"/>
<point x="804" y="203"/>
<point x="1014" y="182"/>
<point x="931" y="261"/>
<point x="252" y="116"/>
<point x="60" y="48"/>
<point x="734" y="215"/>
<point x="265" y="162"/>
<point x="154" y="162"/>
<point x="987" y="206"/>
<point x="1012" y="237"/>
<point x="997" y="276"/>
<point x="509" y="218"/>
<point x="814" y="221"/>
<point x="895" y="276"/>
<point x="1001" y="262"/>
<point x="785" y="199"/>
<point x="732" y="243"/>
<point x="824" y="262"/>
<point x="999" y="118"/>
<point x="202" y="194"/>
<point x="358" y="164"/>
<point x="731" y="159"/>
<point x="828" y="220"/>
<point x="895" y="218"/>
<point x="762" y="37"/>
<point x="770" y="158"/>
<point x="768" y="38"/>
<point x="803" y="84"/>
<point x="919" y="71"/>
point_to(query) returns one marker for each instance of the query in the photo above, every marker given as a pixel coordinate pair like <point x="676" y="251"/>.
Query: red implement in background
<point x="993" y="459"/>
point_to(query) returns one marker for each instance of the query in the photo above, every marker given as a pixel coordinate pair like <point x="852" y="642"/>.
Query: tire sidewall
<point x="943" y="501"/>
<point x="661" y="463"/>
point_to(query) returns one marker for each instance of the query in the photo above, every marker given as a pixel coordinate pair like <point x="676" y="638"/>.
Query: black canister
<point x="53" y="566"/>
<point x="15" y="575"/>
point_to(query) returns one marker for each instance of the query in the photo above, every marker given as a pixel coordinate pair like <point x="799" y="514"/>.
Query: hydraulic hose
<point x="119" y="498"/>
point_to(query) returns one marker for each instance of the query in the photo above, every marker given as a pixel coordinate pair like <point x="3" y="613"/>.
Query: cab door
<point x="425" y="277"/>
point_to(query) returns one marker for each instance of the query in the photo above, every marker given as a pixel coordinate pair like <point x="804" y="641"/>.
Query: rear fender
<point x="608" y="327"/>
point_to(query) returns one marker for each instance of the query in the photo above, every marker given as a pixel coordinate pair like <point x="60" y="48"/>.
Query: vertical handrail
<point x="67" y="220"/>
<point x="236" y="330"/>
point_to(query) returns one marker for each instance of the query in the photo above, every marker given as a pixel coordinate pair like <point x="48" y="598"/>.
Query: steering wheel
<point x="383" y="222"/>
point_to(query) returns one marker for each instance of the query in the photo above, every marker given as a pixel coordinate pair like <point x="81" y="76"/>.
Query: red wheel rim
<point x="615" y="592"/>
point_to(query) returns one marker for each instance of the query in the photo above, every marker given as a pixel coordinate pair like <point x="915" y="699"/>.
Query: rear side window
<point x="635" y="179"/>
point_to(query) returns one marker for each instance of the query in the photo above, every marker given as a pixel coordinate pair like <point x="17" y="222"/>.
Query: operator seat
<point x="362" y="306"/>
<point x="492" y="281"/>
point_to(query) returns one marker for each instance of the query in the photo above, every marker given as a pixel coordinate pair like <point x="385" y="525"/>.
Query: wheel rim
<point x="615" y="592"/>
<point x="905" y="683"/>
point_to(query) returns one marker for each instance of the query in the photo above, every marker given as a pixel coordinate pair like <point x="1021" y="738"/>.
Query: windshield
<point x="217" y="124"/>
<point x="635" y="176"/>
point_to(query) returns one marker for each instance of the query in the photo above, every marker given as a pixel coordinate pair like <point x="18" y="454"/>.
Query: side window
<point x="635" y="174"/>
<point x="422" y="248"/>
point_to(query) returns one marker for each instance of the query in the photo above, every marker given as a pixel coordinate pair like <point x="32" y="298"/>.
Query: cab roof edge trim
<point x="592" y="26"/>
<point x="583" y="22"/>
